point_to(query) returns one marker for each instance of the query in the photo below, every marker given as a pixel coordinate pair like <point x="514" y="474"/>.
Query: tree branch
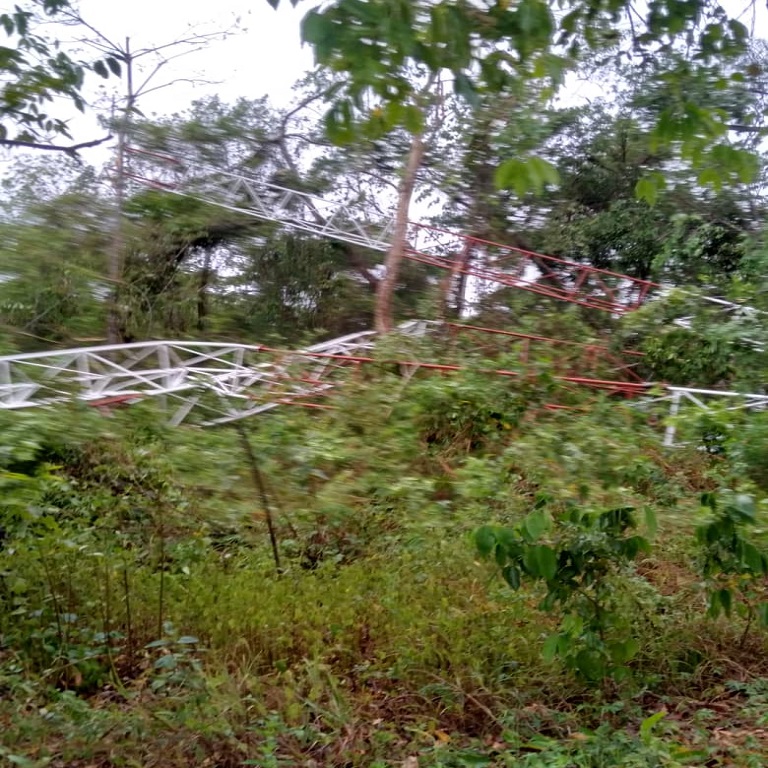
<point x="193" y="81"/>
<point x="741" y="128"/>
<point x="303" y="104"/>
<point x="201" y="39"/>
<point x="75" y="18"/>
<point x="305" y="139"/>
<point x="70" y="150"/>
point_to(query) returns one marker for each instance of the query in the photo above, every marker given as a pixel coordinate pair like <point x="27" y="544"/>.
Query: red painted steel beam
<point x="580" y="297"/>
<point x="534" y="337"/>
<point x="604" y="384"/>
<point x="593" y="350"/>
<point x="586" y="276"/>
<point x="114" y="400"/>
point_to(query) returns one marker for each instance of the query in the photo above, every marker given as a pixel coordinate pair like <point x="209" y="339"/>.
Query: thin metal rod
<point x="258" y="481"/>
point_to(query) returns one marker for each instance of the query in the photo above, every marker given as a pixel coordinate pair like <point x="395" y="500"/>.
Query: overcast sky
<point x="265" y="58"/>
<point x="263" y="55"/>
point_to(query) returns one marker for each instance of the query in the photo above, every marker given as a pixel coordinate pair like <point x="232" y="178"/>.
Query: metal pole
<point x="674" y="408"/>
<point x="258" y="481"/>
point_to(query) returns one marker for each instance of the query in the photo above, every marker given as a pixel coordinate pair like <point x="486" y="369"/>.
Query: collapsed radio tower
<point x="225" y="382"/>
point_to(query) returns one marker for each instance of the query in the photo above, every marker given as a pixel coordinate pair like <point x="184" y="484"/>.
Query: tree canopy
<point x="382" y="49"/>
<point x="575" y="404"/>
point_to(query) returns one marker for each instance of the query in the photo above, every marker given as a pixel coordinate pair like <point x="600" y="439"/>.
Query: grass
<point x="144" y="623"/>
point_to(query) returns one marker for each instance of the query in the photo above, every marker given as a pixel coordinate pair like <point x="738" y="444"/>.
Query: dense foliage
<point x="140" y="601"/>
<point x="480" y="562"/>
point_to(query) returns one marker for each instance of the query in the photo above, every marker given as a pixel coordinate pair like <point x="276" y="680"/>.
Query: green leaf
<point x="762" y="614"/>
<point x="157" y="644"/>
<point x="647" y="187"/>
<point x="511" y="575"/>
<point x="394" y="113"/>
<point x="535" y="525"/>
<point x="617" y="520"/>
<point x="590" y="664"/>
<point x="651" y="522"/>
<point x="22" y="27"/>
<point x="413" y="119"/>
<point x="744" y="506"/>
<point x="7" y="23"/>
<point x="715" y="606"/>
<point x="709" y="177"/>
<point x="541" y="562"/>
<point x="21" y="760"/>
<point x="647" y="726"/>
<point x="465" y="88"/>
<point x="187" y="640"/>
<point x="725" y="596"/>
<point x="168" y="661"/>
<point x="551" y="648"/>
<point x="506" y="538"/>
<point x="100" y="68"/>
<point x="315" y="27"/>
<point x="631" y="546"/>
<point x="542" y="173"/>
<point x="485" y="540"/>
<point x="569" y="21"/>
<point x="752" y="558"/>
<point x="114" y="65"/>
<point x="513" y="174"/>
<point x="738" y="30"/>
<point x="622" y="652"/>
<point x="467" y="759"/>
<point x="338" y="124"/>
<point x="631" y="648"/>
<point x="535" y="21"/>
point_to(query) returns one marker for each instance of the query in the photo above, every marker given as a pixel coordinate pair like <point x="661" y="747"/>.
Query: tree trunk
<point x="115" y="256"/>
<point x="115" y="333"/>
<point x="386" y="288"/>
<point x="202" y="293"/>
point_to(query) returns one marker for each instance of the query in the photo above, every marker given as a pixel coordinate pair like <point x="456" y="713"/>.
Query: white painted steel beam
<point x="243" y="379"/>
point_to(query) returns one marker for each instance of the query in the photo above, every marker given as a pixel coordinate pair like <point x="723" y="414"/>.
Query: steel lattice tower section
<point x="224" y="382"/>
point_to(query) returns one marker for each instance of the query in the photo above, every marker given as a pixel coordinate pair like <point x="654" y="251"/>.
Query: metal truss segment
<point x="340" y="220"/>
<point x="215" y="383"/>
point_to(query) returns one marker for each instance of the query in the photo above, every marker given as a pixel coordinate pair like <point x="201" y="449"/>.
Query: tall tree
<point x="285" y="148"/>
<point x="142" y="65"/>
<point x="498" y="47"/>
<point x="52" y="242"/>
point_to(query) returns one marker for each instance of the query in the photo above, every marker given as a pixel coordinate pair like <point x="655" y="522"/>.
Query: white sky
<point x="266" y="58"/>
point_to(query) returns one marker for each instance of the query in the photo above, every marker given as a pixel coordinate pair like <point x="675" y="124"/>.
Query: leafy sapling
<point x="577" y="555"/>
<point x="733" y="567"/>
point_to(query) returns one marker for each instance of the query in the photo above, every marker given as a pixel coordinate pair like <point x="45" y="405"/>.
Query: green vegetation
<point x="35" y="70"/>
<point x="143" y="622"/>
